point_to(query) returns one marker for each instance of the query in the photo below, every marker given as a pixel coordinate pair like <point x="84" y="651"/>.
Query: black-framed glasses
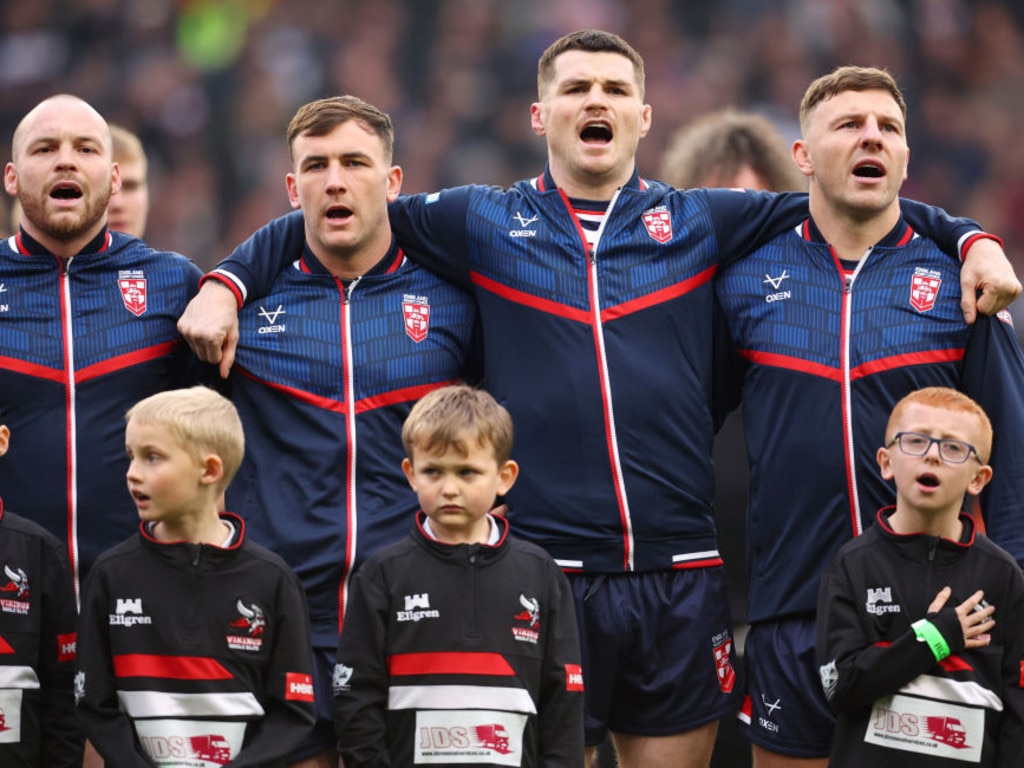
<point x="917" y="444"/>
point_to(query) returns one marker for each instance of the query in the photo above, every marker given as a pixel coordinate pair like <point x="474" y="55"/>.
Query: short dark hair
<point x="849" y="79"/>
<point x="592" y="41"/>
<point x="318" y="118"/>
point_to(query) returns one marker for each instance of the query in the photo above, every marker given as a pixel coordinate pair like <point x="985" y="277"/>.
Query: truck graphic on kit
<point x="493" y="737"/>
<point x="948" y="731"/>
<point x="211" y="747"/>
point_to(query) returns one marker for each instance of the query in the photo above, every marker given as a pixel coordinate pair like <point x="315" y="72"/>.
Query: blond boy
<point x="194" y="641"/>
<point x="913" y="660"/>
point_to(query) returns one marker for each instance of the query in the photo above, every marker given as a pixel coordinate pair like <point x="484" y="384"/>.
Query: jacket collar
<point x="899" y="235"/>
<point x="390" y="262"/>
<point x="924" y="546"/>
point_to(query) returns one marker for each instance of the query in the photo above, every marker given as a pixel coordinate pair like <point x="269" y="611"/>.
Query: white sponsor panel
<point x="927" y="727"/>
<point x="18" y="677"/>
<point x="190" y="743"/>
<point x="456" y="696"/>
<point x="162" y="704"/>
<point x="469" y="736"/>
<point x="10" y="716"/>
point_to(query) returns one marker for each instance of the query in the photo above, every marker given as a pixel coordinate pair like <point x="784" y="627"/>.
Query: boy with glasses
<point x="912" y="658"/>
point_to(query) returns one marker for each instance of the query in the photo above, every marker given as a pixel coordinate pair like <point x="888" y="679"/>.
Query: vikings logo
<point x="18" y="582"/>
<point x="532" y="612"/>
<point x="252" y="619"/>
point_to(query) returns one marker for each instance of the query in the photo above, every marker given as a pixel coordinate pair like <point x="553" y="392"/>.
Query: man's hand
<point x="210" y="325"/>
<point x="986" y="269"/>
<point x="975" y="617"/>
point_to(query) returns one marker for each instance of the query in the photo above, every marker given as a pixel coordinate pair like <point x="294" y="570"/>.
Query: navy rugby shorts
<point x="785" y="710"/>
<point x="657" y="651"/>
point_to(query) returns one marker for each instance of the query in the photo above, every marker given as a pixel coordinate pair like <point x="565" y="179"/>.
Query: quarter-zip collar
<point x="545" y="183"/>
<point x="899" y="235"/>
<point x="28" y="246"/>
<point x="923" y="547"/>
<point x="390" y="262"/>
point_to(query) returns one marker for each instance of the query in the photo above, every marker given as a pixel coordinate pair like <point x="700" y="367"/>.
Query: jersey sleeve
<point x="434" y="231"/>
<point x="361" y="675"/>
<point x="993" y="375"/>
<point x="744" y="220"/>
<point x="430" y="228"/>
<point x="952" y="234"/>
<point x="288" y="692"/>
<point x="250" y="270"/>
<point x="560" y="709"/>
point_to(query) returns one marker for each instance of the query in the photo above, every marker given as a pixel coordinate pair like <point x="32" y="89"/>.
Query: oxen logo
<point x="416" y="311"/>
<point x="659" y="224"/>
<point x="924" y="288"/>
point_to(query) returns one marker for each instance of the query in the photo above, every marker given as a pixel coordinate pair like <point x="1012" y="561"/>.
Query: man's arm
<point x="431" y="229"/>
<point x="987" y="279"/>
<point x="993" y="375"/>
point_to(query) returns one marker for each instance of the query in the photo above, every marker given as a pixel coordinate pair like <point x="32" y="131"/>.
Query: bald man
<point x="87" y="328"/>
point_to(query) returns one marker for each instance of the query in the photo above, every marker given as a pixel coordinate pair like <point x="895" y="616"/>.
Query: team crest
<point x="659" y="224"/>
<point x="416" y="311"/>
<point x="531" y="615"/>
<point x="924" y="288"/>
<point x="248" y="628"/>
<point x="722" y="647"/>
<point x="15" y="595"/>
<point x="133" y="290"/>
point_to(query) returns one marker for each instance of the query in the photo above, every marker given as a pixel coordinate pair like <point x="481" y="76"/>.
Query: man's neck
<point x="588" y="187"/>
<point x="852" y="237"/>
<point x="62" y="249"/>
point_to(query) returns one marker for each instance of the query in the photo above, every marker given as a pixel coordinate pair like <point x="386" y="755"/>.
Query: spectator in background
<point x="731" y="148"/>
<point x="129" y="206"/>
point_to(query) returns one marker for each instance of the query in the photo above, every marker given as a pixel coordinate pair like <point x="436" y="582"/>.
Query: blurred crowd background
<point x="210" y="85"/>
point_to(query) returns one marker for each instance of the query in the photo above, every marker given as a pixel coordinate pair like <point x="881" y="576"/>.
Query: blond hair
<point x="949" y="400"/>
<point x="127" y="147"/>
<point x="445" y="418"/>
<point x="201" y="422"/>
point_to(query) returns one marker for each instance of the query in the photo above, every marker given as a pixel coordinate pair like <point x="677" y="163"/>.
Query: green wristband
<point x="927" y="633"/>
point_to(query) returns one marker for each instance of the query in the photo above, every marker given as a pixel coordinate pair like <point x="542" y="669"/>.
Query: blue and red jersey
<point x="829" y="348"/>
<point x="81" y="341"/>
<point x="603" y="352"/>
<point x="325" y="374"/>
